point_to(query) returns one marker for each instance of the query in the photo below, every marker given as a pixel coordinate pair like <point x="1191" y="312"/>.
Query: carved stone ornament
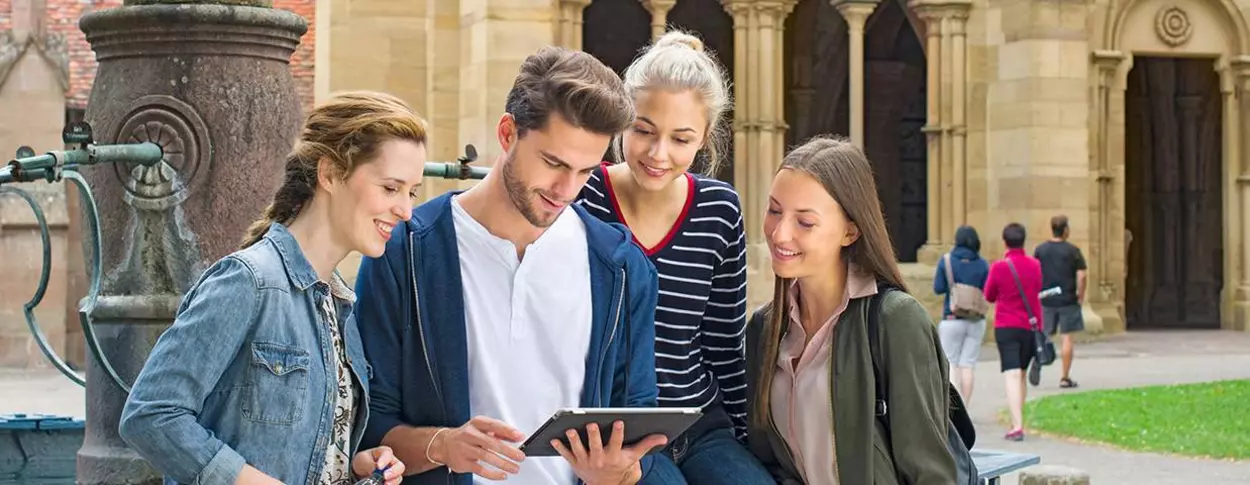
<point x="181" y="134"/>
<point x="1172" y="26"/>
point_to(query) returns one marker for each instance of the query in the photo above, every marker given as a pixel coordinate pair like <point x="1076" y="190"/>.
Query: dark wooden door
<point x="894" y="113"/>
<point x="817" y="103"/>
<point x="1173" y="194"/>
<point x="615" y="31"/>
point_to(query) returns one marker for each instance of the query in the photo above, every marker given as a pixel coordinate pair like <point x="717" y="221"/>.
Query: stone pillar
<point x="958" y="20"/>
<point x="189" y="77"/>
<point x="1241" y="301"/>
<point x="933" y="128"/>
<point x="324" y="33"/>
<point x="856" y="13"/>
<point x="442" y="93"/>
<point x="759" y="123"/>
<point x="740" y="12"/>
<point x="659" y="14"/>
<point x="948" y="58"/>
<point x="490" y="35"/>
<point x="568" y="24"/>
<point x="1107" y="209"/>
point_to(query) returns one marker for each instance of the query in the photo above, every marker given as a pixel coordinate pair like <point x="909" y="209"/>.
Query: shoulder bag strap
<point x="1028" y="309"/>
<point x="950" y="276"/>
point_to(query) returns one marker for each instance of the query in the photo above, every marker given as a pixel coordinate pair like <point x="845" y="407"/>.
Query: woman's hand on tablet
<point x="480" y="442"/>
<point x="613" y="464"/>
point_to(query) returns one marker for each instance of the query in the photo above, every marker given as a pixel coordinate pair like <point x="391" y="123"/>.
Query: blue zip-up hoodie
<point x="967" y="267"/>
<point x="420" y="359"/>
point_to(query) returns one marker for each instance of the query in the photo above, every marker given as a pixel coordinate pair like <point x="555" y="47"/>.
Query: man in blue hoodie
<point x="496" y="306"/>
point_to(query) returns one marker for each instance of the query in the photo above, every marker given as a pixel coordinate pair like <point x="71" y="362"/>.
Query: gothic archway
<point x="817" y="102"/>
<point x="615" y="30"/>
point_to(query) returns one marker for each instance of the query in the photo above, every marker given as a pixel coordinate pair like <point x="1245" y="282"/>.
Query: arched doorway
<point x="1169" y="104"/>
<point x="817" y="102"/>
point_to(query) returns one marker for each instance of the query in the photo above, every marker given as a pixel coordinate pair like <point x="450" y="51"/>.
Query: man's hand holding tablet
<point x="484" y="441"/>
<point x="486" y="447"/>
<point x="614" y="464"/>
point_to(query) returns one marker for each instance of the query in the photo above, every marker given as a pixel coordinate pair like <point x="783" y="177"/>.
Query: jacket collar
<point x="298" y="269"/>
<point x="859" y="284"/>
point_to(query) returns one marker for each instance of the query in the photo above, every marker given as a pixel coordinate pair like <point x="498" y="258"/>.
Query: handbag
<point x="1045" y="352"/>
<point x="967" y="301"/>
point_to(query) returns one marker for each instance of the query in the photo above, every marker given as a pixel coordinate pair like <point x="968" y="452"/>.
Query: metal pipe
<point x="46" y="166"/>
<point x="453" y="170"/>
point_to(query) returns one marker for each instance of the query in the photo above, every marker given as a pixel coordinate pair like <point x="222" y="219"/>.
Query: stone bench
<point x="1053" y="475"/>
<point x="992" y="465"/>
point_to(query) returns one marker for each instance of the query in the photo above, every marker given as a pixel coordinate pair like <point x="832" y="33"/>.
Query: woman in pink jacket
<point x="1013" y="286"/>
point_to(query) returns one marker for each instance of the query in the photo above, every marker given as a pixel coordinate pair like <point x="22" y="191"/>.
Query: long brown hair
<point x="845" y="173"/>
<point x="347" y="130"/>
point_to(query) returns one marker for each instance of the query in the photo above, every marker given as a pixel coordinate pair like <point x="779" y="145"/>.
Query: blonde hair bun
<point x="676" y="38"/>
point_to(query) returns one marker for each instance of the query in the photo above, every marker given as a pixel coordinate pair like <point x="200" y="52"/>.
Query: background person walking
<point x="1063" y="283"/>
<point x="963" y="323"/>
<point x="1013" y="287"/>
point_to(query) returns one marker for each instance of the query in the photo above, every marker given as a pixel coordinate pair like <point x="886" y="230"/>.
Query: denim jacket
<point x="246" y="374"/>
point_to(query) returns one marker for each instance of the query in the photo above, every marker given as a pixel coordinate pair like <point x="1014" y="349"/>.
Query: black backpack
<point x="961" y="434"/>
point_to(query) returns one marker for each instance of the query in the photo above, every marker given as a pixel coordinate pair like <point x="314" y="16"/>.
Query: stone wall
<point x="31" y="112"/>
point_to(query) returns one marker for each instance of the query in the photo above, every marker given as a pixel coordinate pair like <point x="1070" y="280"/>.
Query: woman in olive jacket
<point x="810" y="374"/>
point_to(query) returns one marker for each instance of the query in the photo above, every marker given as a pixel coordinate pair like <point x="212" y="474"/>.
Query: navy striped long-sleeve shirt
<point x="701" y="311"/>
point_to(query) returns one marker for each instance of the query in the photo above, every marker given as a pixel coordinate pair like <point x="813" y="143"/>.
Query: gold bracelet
<point x="431" y="445"/>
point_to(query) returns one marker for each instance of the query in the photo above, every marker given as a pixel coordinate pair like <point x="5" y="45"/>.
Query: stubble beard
<point x="521" y="196"/>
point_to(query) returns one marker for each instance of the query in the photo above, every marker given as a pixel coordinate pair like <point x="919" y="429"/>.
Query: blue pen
<point x="377" y="478"/>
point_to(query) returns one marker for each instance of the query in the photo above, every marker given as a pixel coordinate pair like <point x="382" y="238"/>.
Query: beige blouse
<point x="802" y="402"/>
<point x="337" y="469"/>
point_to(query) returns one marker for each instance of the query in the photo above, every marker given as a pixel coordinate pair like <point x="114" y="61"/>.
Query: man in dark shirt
<point x="1063" y="290"/>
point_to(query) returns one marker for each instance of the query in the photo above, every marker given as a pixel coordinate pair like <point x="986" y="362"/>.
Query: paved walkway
<point x="1135" y="359"/>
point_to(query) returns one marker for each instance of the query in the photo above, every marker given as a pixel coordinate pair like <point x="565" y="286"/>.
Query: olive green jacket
<point x="918" y="400"/>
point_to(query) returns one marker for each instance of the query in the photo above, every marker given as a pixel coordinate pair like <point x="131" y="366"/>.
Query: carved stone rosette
<point x="1172" y="26"/>
<point x="183" y="136"/>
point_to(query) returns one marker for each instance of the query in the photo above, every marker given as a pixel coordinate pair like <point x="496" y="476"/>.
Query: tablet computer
<point x="639" y="423"/>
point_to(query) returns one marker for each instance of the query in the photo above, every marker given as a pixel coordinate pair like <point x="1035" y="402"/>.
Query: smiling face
<point x="544" y="170"/>
<point x="378" y="194"/>
<point x="667" y="133"/>
<point x="805" y="226"/>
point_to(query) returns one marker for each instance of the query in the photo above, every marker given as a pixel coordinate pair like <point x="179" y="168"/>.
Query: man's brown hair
<point x="1058" y="225"/>
<point x="574" y="84"/>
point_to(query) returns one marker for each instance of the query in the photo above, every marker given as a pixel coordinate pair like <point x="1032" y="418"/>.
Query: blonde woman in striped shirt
<point x="690" y="226"/>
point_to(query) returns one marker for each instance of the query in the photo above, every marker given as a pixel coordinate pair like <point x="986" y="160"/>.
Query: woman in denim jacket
<point x="262" y="378"/>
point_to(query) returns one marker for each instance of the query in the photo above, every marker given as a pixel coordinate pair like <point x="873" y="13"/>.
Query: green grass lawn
<point x="1207" y="420"/>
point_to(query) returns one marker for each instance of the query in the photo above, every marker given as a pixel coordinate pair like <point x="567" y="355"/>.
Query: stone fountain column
<point x="209" y="82"/>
